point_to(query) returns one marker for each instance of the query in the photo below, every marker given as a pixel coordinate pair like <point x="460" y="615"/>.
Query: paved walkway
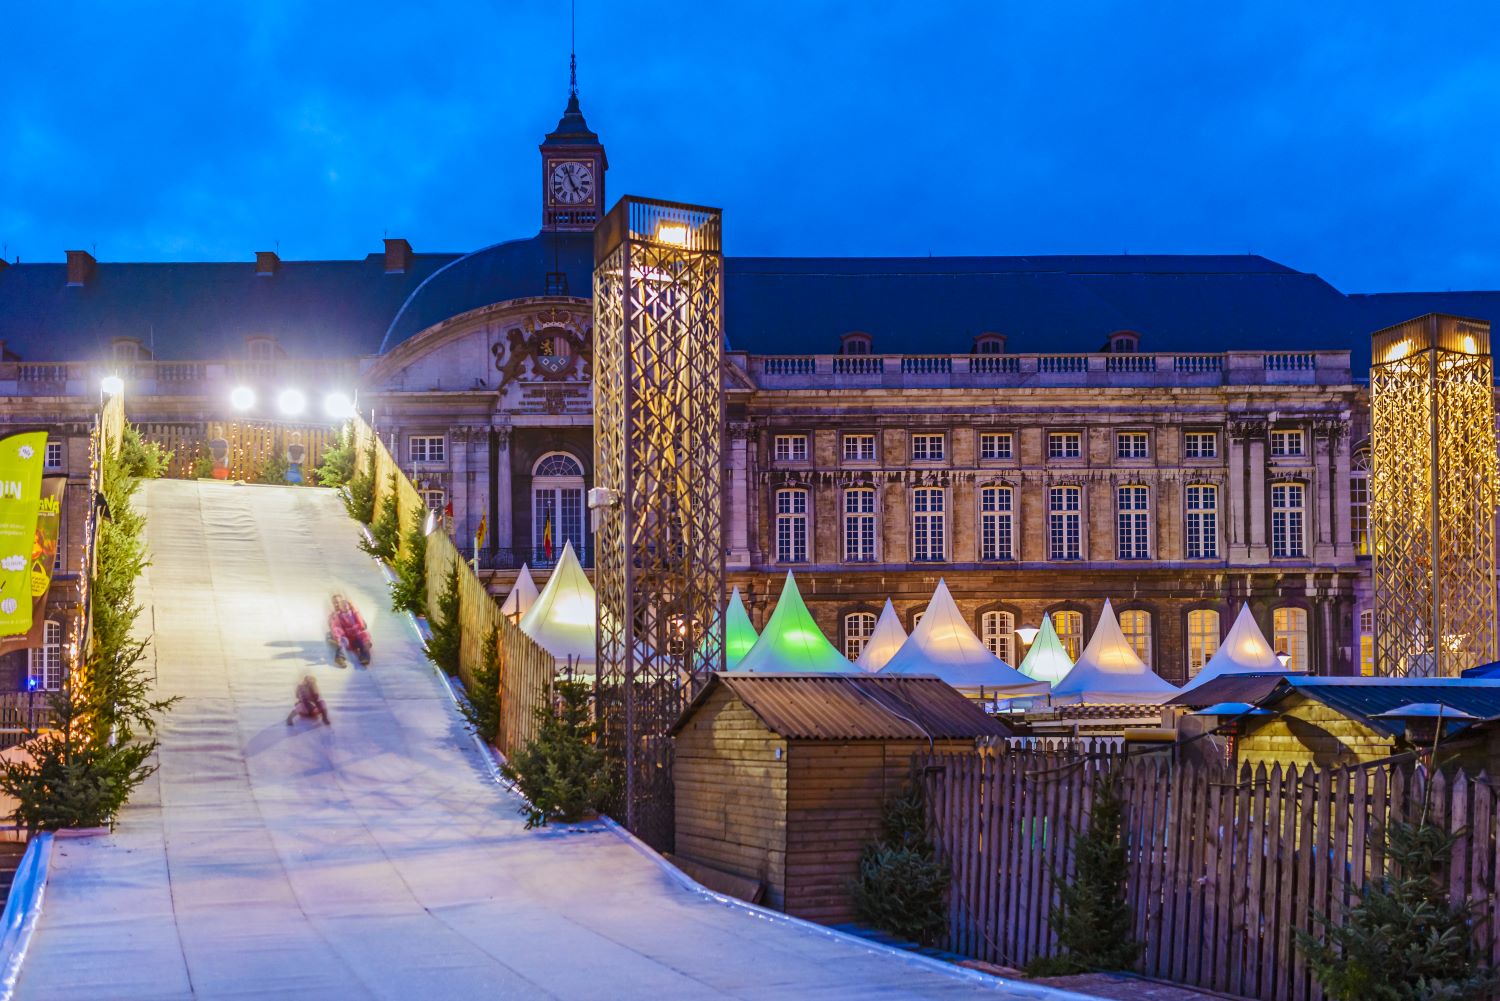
<point x="373" y="858"/>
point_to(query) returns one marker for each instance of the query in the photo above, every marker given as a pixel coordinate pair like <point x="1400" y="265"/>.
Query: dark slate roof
<point x="316" y="309"/>
<point x="571" y="129"/>
<point x="1362" y="698"/>
<point x="854" y="707"/>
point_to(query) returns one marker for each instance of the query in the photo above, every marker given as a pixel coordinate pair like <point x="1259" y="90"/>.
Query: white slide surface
<point x="373" y="858"/>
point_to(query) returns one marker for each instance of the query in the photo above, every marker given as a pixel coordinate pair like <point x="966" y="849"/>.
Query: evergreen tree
<point x="481" y="708"/>
<point x="562" y="771"/>
<point x="902" y="884"/>
<point x="385" y="530"/>
<point x="273" y="469"/>
<point x="359" y="497"/>
<point x="337" y="467"/>
<point x="203" y="465"/>
<point x="409" y="589"/>
<point x="1404" y="940"/>
<point x="142" y="458"/>
<point x="1092" y="920"/>
<point x="444" y="644"/>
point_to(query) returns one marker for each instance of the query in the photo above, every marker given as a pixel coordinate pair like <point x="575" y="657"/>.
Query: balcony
<point x="535" y="557"/>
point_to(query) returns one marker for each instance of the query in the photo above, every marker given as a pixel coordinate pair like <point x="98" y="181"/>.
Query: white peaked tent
<point x="792" y="641"/>
<point x="521" y="597"/>
<point x="883" y="643"/>
<point x="1047" y="660"/>
<point x="561" y="621"/>
<point x="1109" y="673"/>
<point x="943" y="645"/>
<point x="739" y="631"/>
<point x="1243" y="651"/>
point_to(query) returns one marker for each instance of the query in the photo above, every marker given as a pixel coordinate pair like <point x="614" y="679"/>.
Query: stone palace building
<point x="1177" y="433"/>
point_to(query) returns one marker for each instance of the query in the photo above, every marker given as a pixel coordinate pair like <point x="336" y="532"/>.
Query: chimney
<point x="397" y="257"/>
<point x="267" y="263"/>
<point x="81" y="265"/>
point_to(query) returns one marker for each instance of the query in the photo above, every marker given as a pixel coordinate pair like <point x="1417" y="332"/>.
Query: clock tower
<point x="573" y="167"/>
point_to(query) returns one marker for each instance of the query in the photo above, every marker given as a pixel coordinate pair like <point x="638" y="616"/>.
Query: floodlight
<point x="112" y="385"/>
<point x="338" y="406"/>
<point x="291" y="402"/>
<point x="242" y="398"/>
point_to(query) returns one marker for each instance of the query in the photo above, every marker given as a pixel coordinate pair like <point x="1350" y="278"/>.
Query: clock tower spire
<point x="573" y="166"/>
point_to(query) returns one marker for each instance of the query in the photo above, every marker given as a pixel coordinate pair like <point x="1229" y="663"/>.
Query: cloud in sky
<point x="1357" y="141"/>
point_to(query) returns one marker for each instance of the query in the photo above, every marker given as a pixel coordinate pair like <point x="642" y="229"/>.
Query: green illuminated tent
<point x="739" y="631"/>
<point x="792" y="641"/>
<point x="1047" y="660"/>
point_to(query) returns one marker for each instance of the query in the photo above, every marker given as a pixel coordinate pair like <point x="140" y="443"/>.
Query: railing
<point x="176" y="378"/>
<point x="1290" y="361"/>
<point x="511" y="558"/>
<point x="858" y="365"/>
<point x="788" y="365"/>
<point x="1130" y="363"/>
<point x="1197" y="363"/>
<point x="995" y="364"/>
<point x="927" y="364"/>
<point x="1062" y="363"/>
<point x="23" y="714"/>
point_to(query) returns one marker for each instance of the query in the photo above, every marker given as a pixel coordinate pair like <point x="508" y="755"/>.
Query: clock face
<point x="572" y="182"/>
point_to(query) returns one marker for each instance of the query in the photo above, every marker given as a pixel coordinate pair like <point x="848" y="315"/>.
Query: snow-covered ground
<point x="373" y="858"/>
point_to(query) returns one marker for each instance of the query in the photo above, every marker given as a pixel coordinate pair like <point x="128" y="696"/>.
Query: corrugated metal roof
<point x="1362" y="698"/>
<point x="1247" y="687"/>
<point x="855" y="707"/>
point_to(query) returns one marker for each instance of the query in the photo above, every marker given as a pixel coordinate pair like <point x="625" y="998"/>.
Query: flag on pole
<point x="547" y="537"/>
<point x="479" y="533"/>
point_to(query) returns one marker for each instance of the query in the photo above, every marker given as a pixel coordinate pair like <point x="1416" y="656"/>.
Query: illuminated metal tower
<point x="1432" y="510"/>
<point x="658" y="425"/>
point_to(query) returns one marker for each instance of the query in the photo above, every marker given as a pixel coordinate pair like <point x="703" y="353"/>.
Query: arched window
<point x="998" y="631"/>
<point x="1136" y="625"/>
<point x="1367" y="642"/>
<point x="1069" y="626"/>
<point x="791" y="525"/>
<point x="989" y="344"/>
<point x="1202" y="638"/>
<point x="858" y="628"/>
<point x="557" y="508"/>
<point x="1359" y="504"/>
<point x="44" y="664"/>
<point x="1289" y="635"/>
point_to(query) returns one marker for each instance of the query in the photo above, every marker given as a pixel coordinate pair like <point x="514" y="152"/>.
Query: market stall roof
<point x="1243" y="651"/>
<point x="792" y="641"/>
<point x="561" y="621"/>
<point x="1047" y="660"/>
<point x="522" y="596"/>
<point x="945" y="647"/>
<point x="883" y="642"/>
<point x="739" y="631"/>
<point x="1109" y="673"/>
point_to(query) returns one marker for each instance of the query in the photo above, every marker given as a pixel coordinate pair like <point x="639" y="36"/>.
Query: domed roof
<point x="513" y="270"/>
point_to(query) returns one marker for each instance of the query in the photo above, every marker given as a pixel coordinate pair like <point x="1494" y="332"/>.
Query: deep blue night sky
<point x="1362" y="143"/>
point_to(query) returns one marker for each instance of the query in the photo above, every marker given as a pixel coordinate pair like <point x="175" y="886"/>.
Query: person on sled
<point x="347" y="632"/>
<point x="310" y="703"/>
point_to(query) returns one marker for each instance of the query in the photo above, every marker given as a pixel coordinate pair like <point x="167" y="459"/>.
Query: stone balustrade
<point x="178" y="378"/>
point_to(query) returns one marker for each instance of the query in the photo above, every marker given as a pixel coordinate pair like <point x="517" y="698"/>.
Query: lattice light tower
<point x="1433" y="492"/>
<point x="658" y="428"/>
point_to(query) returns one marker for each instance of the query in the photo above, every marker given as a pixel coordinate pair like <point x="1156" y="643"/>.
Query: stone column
<point x="460" y="482"/>
<point x="1255" y="433"/>
<point x="1343" y="539"/>
<point x="1234" y="500"/>
<point x="1325" y="470"/>
<point x="501" y="532"/>
<point x="737" y="508"/>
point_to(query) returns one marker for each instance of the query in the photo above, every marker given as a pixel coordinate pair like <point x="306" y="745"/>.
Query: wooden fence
<point x="526" y="670"/>
<point x="1225" y="869"/>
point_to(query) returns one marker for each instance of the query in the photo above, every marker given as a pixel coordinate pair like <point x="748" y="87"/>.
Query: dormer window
<point x="1123" y="342"/>
<point x="260" y="348"/>
<point x="856" y="342"/>
<point x="989" y="344"/>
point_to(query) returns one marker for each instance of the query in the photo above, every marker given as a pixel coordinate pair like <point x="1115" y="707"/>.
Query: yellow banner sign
<point x="21" y="458"/>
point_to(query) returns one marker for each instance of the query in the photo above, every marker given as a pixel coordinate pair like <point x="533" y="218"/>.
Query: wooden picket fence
<point x="526" y="670"/>
<point x="1225" y="869"/>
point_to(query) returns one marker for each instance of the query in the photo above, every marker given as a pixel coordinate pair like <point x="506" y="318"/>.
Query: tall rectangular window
<point x="859" y="448"/>
<point x="1065" y="523"/>
<point x="791" y="526"/>
<point x="996" y="529"/>
<point x="928" y="525"/>
<point x="791" y="448"/>
<point x="44" y="665"/>
<point x="1287" y="537"/>
<point x="927" y="447"/>
<point x="858" y="628"/>
<point x="1286" y="443"/>
<point x="427" y="448"/>
<point x="1359" y="504"/>
<point x="1132" y="445"/>
<point x="997" y="629"/>
<point x="1132" y="523"/>
<point x="1065" y="445"/>
<point x="859" y="525"/>
<point x="1202" y="521"/>
<point x="995" y="445"/>
<point x="1200" y="445"/>
<point x="1289" y="636"/>
<point x="1367" y="642"/>
<point x="1203" y="638"/>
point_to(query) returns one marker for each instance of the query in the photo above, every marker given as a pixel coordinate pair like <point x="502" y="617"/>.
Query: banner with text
<point x="21" y="458"/>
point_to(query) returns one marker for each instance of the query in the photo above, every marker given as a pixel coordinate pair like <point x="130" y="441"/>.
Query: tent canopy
<point x="1109" y="673"/>
<point x="561" y="621"/>
<point x="522" y="596"/>
<point x="1047" y="660"/>
<point x="792" y="641"/>
<point x="739" y="631"/>
<point x="943" y="645"/>
<point x="1244" y="651"/>
<point x="883" y="642"/>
